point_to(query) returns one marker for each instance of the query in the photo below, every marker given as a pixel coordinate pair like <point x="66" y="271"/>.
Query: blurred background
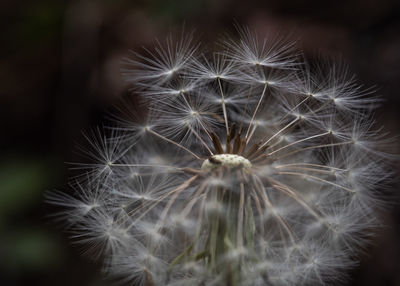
<point x="60" y="75"/>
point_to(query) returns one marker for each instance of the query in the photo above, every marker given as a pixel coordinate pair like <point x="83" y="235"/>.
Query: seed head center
<point x="227" y="160"/>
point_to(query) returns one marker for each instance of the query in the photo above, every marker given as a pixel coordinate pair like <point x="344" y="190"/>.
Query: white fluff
<point x="290" y="178"/>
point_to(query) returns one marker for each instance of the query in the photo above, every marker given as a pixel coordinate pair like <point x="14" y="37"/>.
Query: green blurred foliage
<point x="42" y="22"/>
<point x="31" y="250"/>
<point x="177" y="11"/>
<point x="36" y="25"/>
<point x="21" y="184"/>
<point x="25" y="244"/>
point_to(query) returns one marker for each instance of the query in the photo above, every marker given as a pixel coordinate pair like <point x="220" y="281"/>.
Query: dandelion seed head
<point x="247" y="167"/>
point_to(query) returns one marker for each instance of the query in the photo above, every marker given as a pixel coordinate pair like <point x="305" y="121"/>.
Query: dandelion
<point x="248" y="167"/>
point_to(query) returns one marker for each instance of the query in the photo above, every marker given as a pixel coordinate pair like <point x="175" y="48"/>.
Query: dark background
<point x="60" y="74"/>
